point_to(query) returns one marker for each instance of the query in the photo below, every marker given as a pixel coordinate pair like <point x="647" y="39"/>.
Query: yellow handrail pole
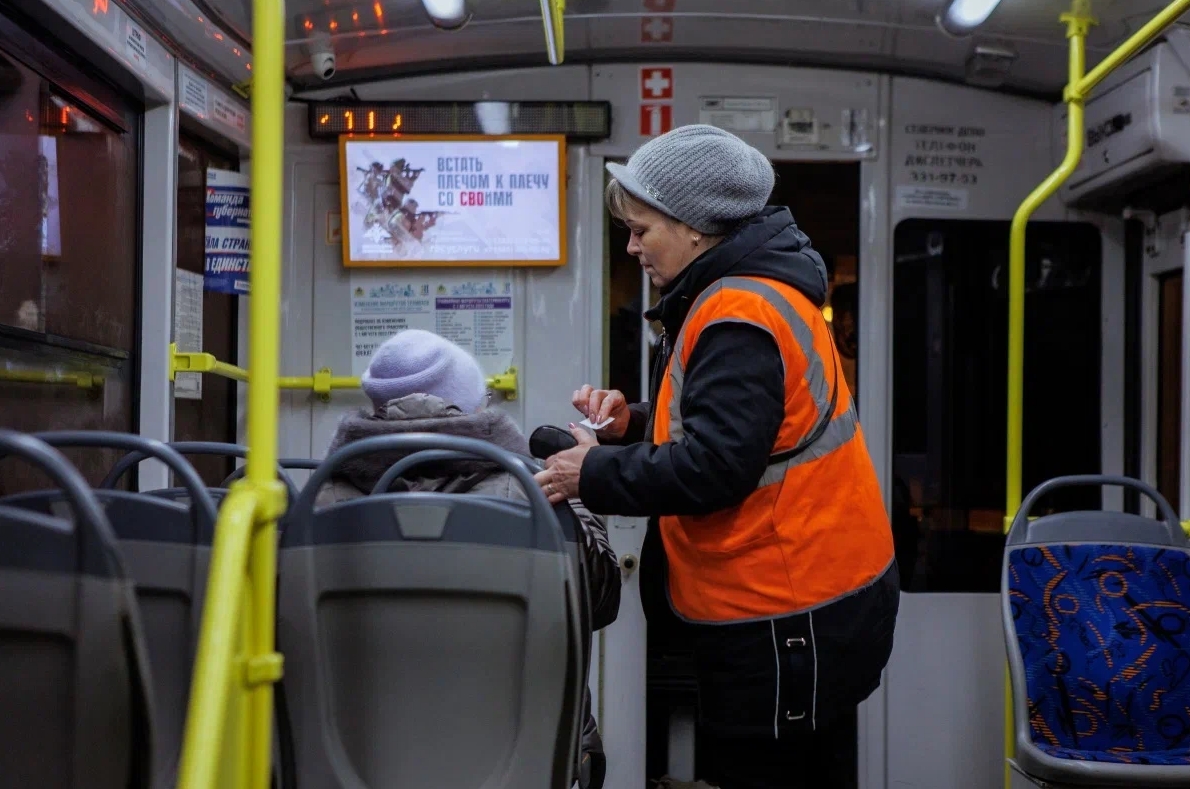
<point x="1135" y="43"/>
<point x="215" y="657"/>
<point x="321" y="382"/>
<point x="1077" y="23"/>
<point x="268" y="151"/>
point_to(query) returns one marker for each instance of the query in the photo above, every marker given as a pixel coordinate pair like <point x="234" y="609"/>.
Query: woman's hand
<point x="559" y="480"/>
<point x="599" y="405"/>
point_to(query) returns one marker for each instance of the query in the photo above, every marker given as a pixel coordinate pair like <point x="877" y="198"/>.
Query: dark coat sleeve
<point x="732" y="404"/>
<point x="637" y="421"/>
<point x="604" y="583"/>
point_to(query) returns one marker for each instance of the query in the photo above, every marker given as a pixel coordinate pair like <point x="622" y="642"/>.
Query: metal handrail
<point x="321" y="383"/>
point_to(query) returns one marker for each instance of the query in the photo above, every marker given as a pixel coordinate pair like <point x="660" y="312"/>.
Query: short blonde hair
<point x="621" y="202"/>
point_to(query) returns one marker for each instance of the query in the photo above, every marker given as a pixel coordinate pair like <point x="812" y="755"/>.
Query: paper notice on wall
<point x="474" y="313"/>
<point x="188" y="287"/>
<point x="226" y="111"/>
<point x="193" y="94"/>
<point x="931" y="197"/>
<point x="738" y="114"/>
<point x="136" y="44"/>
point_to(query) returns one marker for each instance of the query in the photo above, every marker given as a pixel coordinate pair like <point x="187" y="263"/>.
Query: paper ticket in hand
<point x="597" y="425"/>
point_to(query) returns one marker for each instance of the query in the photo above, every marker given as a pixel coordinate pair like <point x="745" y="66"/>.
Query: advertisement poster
<point x="228" y="232"/>
<point x="411" y="201"/>
<point x="475" y="314"/>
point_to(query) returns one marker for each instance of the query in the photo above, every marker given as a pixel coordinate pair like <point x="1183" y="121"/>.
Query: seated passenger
<point x="421" y="383"/>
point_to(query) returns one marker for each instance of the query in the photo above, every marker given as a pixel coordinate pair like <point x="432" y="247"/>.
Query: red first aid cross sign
<point x="656" y="83"/>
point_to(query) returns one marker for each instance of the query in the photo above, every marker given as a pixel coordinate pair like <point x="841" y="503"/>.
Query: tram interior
<point x="905" y="136"/>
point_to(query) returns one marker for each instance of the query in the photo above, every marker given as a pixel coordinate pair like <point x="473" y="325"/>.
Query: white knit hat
<point x="420" y="362"/>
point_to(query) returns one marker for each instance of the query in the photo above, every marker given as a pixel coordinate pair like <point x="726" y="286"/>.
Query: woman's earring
<point x="696" y="239"/>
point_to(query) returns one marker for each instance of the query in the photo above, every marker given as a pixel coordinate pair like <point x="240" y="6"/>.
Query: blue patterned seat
<point x="1097" y="622"/>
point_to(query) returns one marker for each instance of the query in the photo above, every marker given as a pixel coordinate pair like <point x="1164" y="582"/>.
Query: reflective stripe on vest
<point x="837" y="433"/>
<point x="781" y="550"/>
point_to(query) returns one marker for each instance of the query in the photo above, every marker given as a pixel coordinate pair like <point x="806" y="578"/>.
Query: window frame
<point x="193" y="137"/>
<point x="73" y="78"/>
<point x="938" y="475"/>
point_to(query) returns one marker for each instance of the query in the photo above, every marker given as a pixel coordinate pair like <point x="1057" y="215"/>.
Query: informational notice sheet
<point x="475" y="313"/>
<point x="188" y="329"/>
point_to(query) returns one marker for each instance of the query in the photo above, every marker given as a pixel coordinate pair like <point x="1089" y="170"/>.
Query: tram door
<point x="824" y="198"/>
<point x="1164" y="445"/>
<point x="949" y="395"/>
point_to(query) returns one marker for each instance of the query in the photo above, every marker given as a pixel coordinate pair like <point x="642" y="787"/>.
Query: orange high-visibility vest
<point x="815" y="529"/>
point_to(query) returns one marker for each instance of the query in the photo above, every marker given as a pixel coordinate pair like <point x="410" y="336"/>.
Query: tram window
<point x="1169" y="387"/>
<point x="68" y="218"/>
<point x="213" y="418"/>
<point x="69" y="263"/>
<point x="950" y="349"/>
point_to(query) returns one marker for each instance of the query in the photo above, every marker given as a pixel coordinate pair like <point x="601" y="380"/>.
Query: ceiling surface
<point x="375" y="39"/>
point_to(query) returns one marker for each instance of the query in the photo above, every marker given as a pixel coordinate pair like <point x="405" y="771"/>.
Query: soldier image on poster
<point x="388" y="211"/>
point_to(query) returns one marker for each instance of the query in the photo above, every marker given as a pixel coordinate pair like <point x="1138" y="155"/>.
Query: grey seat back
<point x="431" y="640"/>
<point x="202" y="554"/>
<point x="75" y="708"/>
<point x="290" y="464"/>
<point x="576" y="548"/>
<point x="166" y="545"/>
<point x="132" y="459"/>
<point x="1096" y="611"/>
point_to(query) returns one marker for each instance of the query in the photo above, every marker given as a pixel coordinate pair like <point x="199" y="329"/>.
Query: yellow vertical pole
<point x="232" y="691"/>
<point x="215" y="663"/>
<point x="268" y="154"/>
<point x="552" y="19"/>
<point x="1078" y="23"/>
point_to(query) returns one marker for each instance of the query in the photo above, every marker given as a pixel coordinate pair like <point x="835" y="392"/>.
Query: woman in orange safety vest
<point x="768" y="536"/>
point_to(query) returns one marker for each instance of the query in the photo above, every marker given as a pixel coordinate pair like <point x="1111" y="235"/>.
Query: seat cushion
<point x="1154" y="758"/>
<point x="1104" y="635"/>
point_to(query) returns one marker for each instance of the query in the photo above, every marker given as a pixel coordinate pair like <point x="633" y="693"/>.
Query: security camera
<point x="322" y="58"/>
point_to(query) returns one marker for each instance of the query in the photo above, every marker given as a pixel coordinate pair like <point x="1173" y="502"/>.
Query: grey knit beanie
<point x="700" y="175"/>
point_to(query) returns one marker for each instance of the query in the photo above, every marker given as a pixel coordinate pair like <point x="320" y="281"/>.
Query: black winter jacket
<point x="732" y="408"/>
